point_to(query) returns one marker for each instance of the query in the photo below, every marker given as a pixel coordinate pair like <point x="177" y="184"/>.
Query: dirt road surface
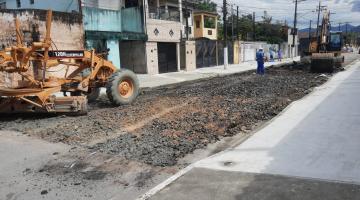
<point x="120" y="152"/>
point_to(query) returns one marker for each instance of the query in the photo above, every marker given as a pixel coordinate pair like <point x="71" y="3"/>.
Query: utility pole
<point x="346" y="32"/>
<point x="310" y="31"/>
<point x="225" y="34"/>
<point x="318" y="21"/>
<point x="232" y="23"/>
<point x="237" y="23"/>
<point x="254" y="33"/>
<point x="187" y="19"/>
<point x="346" y="28"/>
<point x="294" y="32"/>
<point x="340" y="26"/>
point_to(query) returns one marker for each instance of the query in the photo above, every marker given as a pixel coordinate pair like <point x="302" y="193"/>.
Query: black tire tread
<point x="112" y="84"/>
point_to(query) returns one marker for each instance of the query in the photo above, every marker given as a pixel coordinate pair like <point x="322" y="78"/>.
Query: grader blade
<point x="58" y="105"/>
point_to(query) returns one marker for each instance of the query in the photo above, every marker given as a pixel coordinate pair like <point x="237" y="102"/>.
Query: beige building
<point x="205" y="25"/>
<point x="163" y="28"/>
<point x="160" y="52"/>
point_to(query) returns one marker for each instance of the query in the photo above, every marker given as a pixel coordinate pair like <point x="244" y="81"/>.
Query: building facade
<point x="144" y="36"/>
<point x="55" y="5"/>
<point x="111" y="25"/>
<point x="205" y="25"/>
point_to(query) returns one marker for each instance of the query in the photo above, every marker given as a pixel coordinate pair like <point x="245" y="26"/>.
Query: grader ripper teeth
<point x="40" y="91"/>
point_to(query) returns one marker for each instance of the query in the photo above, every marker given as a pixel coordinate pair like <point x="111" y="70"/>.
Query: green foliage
<point x="265" y="30"/>
<point x="206" y="5"/>
<point x="209" y="22"/>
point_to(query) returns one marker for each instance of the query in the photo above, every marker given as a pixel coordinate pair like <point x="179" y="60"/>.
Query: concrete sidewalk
<point x="310" y="151"/>
<point x="148" y="81"/>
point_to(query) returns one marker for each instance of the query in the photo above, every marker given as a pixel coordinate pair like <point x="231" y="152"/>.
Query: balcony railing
<point x="124" y="20"/>
<point x="170" y="14"/>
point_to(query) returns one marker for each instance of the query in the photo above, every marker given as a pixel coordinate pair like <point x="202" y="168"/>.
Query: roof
<point x="205" y="12"/>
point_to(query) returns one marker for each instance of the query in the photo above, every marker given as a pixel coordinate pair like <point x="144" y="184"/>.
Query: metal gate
<point x="205" y="53"/>
<point x="167" y="57"/>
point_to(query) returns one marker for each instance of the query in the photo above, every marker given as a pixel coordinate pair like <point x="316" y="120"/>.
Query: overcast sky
<point x="345" y="10"/>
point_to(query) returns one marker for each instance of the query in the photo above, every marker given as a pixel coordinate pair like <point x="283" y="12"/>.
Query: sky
<point x="345" y="10"/>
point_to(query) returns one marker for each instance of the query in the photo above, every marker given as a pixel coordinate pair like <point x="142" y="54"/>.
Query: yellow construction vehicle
<point x="325" y="50"/>
<point x="85" y="72"/>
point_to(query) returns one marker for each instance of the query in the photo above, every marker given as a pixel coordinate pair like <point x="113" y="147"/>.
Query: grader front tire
<point x="123" y="87"/>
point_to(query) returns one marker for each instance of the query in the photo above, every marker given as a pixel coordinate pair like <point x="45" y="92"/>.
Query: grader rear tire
<point x="122" y="87"/>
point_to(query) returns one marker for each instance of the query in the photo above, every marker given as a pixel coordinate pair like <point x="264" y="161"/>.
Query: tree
<point x="265" y="30"/>
<point x="206" y="5"/>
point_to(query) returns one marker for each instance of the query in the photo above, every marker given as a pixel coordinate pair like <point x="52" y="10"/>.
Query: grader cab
<point x="85" y="72"/>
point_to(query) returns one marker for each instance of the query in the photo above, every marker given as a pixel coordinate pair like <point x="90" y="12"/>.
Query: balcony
<point x="205" y="25"/>
<point x="123" y="20"/>
<point x="168" y="14"/>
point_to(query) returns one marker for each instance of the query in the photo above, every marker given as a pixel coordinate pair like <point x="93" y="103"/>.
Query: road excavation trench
<point x="169" y="122"/>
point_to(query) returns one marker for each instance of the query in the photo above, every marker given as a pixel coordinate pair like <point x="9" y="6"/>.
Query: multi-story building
<point x="112" y="24"/>
<point x="141" y="35"/>
<point x="56" y="5"/>
<point x="163" y="27"/>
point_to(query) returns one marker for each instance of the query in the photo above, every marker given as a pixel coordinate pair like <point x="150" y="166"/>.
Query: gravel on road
<point x="169" y="122"/>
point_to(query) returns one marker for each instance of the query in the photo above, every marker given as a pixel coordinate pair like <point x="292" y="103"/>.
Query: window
<point x="131" y="3"/>
<point x="188" y="30"/>
<point x="209" y="22"/>
<point x="32" y="1"/>
<point x="197" y="23"/>
<point x="18" y="3"/>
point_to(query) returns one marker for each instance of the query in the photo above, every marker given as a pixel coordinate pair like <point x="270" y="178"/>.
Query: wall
<point x="132" y="20"/>
<point x="71" y="36"/>
<point x="110" y="4"/>
<point x="163" y="31"/>
<point x="102" y="20"/>
<point x="124" y="20"/>
<point x="132" y="55"/>
<point x="152" y="58"/>
<point x="248" y="50"/>
<point x="213" y="35"/>
<point x="237" y="51"/>
<point x="56" y="5"/>
<point x="188" y="56"/>
<point x="114" y="53"/>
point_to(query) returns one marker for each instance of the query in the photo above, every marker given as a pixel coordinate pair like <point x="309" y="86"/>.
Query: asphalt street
<point x="310" y="151"/>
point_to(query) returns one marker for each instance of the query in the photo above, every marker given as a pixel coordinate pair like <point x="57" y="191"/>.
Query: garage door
<point x="167" y="57"/>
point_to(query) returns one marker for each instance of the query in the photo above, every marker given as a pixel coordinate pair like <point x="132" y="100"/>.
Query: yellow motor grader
<point x="85" y="72"/>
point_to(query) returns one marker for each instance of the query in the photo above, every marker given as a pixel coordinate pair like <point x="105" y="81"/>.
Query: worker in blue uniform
<point x="260" y="61"/>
